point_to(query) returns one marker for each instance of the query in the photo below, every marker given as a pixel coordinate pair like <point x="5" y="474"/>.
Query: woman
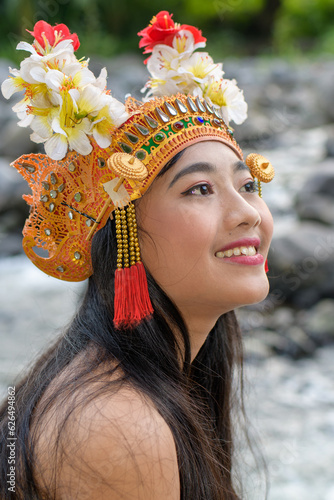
<point x="135" y="400"/>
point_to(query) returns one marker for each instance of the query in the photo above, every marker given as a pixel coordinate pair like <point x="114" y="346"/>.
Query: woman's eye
<point x="200" y="189"/>
<point x="249" y="187"/>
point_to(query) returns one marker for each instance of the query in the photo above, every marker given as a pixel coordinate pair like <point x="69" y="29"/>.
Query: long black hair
<point x="194" y="398"/>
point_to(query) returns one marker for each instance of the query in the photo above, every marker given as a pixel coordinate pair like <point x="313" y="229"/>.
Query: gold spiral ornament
<point x="127" y="166"/>
<point x="260" y="167"/>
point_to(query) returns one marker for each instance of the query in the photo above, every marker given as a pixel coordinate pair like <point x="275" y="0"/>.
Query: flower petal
<point x="102" y="140"/>
<point x="38" y="73"/>
<point x="54" y="79"/>
<point x="101" y="80"/>
<point x="55" y="125"/>
<point x="36" y="138"/>
<point x="26" y="121"/>
<point x="26" y="46"/>
<point x="41" y="127"/>
<point x="80" y="142"/>
<point x="8" y="88"/>
<point x="56" y="147"/>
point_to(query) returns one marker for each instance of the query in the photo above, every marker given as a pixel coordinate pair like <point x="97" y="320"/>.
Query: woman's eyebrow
<point x="195" y="167"/>
<point x="240" y="165"/>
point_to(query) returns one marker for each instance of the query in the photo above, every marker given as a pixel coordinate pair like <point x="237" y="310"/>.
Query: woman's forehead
<point x="214" y="154"/>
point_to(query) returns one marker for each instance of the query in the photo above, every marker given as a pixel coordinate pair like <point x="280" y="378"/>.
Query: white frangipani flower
<point x="226" y="95"/>
<point x="180" y="69"/>
<point x="64" y="103"/>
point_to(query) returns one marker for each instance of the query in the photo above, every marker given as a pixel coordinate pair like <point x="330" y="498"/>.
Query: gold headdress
<point x="102" y="155"/>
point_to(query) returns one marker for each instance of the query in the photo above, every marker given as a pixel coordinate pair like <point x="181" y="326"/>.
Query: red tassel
<point x="146" y="305"/>
<point x="119" y="302"/>
<point x="266" y="268"/>
<point x="132" y="302"/>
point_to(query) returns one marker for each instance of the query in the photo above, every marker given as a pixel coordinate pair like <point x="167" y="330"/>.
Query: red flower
<point x="197" y="34"/>
<point x="162" y="29"/>
<point x="53" y="35"/>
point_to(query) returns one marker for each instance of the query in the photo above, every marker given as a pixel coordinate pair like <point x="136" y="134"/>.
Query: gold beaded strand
<point x="134" y="250"/>
<point x="119" y="238"/>
<point x="125" y="238"/>
<point x="259" y="188"/>
<point x="128" y="251"/>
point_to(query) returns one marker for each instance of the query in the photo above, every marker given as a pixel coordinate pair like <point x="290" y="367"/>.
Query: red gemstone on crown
<point x="178" y="126"/>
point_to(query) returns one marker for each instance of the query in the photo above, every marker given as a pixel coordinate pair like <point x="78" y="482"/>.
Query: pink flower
<point x="162" y="30"/>
<point x="45" y="33"/>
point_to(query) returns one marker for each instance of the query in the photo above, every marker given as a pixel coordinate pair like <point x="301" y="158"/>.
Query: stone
<point x="301" y="265"/>
<point x="315" y="207"/>
<point x="321" y="182"/>
<point x="319" y="322"/>
<point x="15" y="141"/>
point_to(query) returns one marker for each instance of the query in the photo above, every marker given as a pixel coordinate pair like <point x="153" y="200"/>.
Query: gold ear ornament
<point x="260" y="167"/>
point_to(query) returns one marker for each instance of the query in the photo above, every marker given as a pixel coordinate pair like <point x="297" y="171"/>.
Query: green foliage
<point x="233" y="27"/>
<point x="305" y="25"/>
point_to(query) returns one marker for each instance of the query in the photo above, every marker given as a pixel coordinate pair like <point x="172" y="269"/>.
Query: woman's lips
<point x="243" y="251"/>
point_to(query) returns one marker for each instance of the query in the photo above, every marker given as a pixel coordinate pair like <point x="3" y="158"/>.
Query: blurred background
<point x="281" y="52"/>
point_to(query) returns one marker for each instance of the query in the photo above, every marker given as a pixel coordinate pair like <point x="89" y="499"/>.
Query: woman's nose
<point x="240" y="212"/>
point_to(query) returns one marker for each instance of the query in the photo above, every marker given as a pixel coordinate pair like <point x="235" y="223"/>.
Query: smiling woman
<point x="152" y="202"/>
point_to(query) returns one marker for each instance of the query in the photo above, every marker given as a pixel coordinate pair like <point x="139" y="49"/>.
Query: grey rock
<point x="330" y="146"/>
<point x="282" y="318"/>
<point x="10" y="244"/>
<point x="15" y="141"/>
<point x="12" y="187"/>
<point x="319" y="321"/>
<point x="256" y="349"/>
<point x="301" y="344"/>
<point x="126" y="74"/>
<point x="322" y="182"/>
<point x="301" y="263"/>
<point x="315" y="207"/>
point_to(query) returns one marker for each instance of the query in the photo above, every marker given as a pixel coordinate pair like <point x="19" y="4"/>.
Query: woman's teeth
<point x="237" y="251"/>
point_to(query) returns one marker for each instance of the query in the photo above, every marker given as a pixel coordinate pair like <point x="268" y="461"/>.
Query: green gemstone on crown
<point x="151" y="122"/>
<point x="159" y="137"/>
<point x="125" y="147"/>
<point x="141" y="154"/>
<point x="143" y="130"/>
<point x="132" y="138"/>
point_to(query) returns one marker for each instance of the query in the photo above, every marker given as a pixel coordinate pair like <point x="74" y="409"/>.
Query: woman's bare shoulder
<point x="115" y="446"/>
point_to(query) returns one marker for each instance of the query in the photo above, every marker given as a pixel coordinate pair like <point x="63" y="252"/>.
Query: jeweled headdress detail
<point x="101" y="154"/>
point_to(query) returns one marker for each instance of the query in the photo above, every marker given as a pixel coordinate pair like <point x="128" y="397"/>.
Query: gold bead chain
<point x="134" y="250"/>
<point x="128" y="251"/>
<point x="119" y="238"/>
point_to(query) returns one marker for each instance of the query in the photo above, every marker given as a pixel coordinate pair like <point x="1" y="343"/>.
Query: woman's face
<point x="205" y="232"/>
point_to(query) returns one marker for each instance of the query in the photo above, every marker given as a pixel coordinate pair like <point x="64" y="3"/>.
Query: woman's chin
<point x="253" y="291"/>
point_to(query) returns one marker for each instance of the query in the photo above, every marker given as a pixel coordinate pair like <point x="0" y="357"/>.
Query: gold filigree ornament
<point x="260" y="167"/>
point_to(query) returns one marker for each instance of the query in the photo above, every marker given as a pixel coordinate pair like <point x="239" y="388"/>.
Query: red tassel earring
<point x="132" y="302"/>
